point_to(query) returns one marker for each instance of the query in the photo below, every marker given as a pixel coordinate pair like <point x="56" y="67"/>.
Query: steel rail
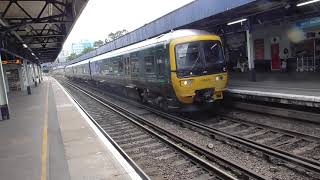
<point x="283" y="131"/>
<point x="139" y="171"/>
<point x="297" y="115"/>
<point x="246" y="173"/>
<point x="298" y="160"/>
<point x="301" y="161"/>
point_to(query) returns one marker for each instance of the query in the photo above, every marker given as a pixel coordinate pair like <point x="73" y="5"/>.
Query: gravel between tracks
<point x="246" y="159"/>
<point x="278" y="122"/>
<point x="225" y="149"/>
<point x="159" y="162"/>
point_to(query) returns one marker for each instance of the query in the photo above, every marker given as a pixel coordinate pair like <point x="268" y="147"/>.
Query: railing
<point x="308" y="64"/>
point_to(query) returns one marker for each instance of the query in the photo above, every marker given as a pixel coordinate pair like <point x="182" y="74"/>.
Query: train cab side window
<point x="160" y="65"/>
<point x="149" y="64"/>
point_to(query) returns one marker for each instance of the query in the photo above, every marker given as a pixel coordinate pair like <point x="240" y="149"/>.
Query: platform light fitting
<point x="307" y="2"/>
<point x="24" y="45"/>
<point x="238" y="21"/>
<point x="33" y="54"/>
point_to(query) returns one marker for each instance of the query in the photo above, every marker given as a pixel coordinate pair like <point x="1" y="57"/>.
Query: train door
<point x="275" y="57"/>
<point x="161" y="73"/>
<point x="160" y="65"/>
<point x="127" y="69"/>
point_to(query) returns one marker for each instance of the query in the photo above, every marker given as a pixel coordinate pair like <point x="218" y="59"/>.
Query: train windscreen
<point x="199" y="58"/>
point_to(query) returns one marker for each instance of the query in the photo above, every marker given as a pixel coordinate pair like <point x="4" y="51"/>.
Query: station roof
<point x="36" y="29"/>
<point x="211" y="15"/>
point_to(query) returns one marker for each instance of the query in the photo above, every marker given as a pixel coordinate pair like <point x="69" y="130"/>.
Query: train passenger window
<point x="115" y="66"/>
<point x="120" y="66"/>
<point x="106" y="67"/>
<point x="149" y="64"/>
<point x="127" y="66"/>
<point x="135" y="65"/>
<point x="110" y="67"/>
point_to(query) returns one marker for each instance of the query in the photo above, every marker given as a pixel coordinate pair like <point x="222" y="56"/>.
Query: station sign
<point x="310" y="23"/>
<point x="16" y="61"/>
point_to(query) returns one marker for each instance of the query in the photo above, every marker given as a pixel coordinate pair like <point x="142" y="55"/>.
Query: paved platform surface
<point x="304" y="86"/>
<point x="48" y="138"/>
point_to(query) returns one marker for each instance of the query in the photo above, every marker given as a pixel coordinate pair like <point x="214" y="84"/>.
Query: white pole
<point x="25" y="67"/>
<point x="4" y="108"/>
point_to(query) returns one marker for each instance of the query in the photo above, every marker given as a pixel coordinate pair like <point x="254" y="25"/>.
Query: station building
<point x="272" y="49"/>
<point x="268" y="44"/>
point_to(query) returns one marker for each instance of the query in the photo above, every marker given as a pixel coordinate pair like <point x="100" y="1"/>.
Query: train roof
<point x="161" y="39"/>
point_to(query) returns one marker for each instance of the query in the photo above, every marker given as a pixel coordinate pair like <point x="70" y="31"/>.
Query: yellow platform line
<point x="45" y="139"/>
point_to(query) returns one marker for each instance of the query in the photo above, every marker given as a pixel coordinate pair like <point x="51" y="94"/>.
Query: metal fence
<point x="308" y="64"/>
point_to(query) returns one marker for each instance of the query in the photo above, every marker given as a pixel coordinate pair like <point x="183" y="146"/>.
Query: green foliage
<point x="97" y="44"/>
<point x="116" y="35"/>
<point x="86" y="50"/>
<point x="73" y="56"/>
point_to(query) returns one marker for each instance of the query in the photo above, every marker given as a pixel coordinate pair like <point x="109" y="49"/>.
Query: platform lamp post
<point x="25" y="67"/>
<point x="252" y="72"/>
<point x="4" y="108"/>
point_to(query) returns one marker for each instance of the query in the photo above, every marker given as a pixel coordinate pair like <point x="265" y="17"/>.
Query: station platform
<point x="287" y="88"/>
<point x="48" y="137"/>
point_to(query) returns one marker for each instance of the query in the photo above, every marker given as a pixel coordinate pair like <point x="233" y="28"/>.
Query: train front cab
<point x="197" y="87"/>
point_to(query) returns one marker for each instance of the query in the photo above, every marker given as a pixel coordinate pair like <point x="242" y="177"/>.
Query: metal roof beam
<point x="26" y="21"/>
<point x="48" y="1"/>
<point x="43" y="36"/>
<point x="3" y="23"/>
<point x="59" y="42"/>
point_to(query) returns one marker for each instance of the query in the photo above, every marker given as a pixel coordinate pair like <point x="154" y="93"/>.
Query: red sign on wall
<point x="259" y="49"/>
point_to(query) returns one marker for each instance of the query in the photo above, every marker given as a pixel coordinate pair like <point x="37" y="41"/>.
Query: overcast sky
<point x="100" y="17"/>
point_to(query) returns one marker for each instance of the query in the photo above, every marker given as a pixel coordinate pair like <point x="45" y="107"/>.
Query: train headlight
<point x="219" y="78"/>
<point x="186" y="83"/>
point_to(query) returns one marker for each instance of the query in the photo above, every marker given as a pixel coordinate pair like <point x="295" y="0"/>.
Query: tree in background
<point x="72" y="56"/>
<point x="116" y="35"/>
<point x="97" y="44"/>
<point x="86" y="50"/>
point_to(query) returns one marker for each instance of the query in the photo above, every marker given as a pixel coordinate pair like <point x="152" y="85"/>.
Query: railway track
<point x="299" y="144"/>
<point x="309" y="166"/>
<point x="154" y="148"/>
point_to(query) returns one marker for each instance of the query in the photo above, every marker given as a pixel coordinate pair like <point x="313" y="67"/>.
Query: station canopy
<point x="214" y="16"/>
<point x="36" y="29"/>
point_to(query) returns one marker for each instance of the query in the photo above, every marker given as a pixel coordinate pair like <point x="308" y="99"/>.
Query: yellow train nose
<point x="188" y="89"/>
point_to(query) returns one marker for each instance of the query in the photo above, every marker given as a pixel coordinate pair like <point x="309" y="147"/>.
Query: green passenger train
<point x="181" y="70"/>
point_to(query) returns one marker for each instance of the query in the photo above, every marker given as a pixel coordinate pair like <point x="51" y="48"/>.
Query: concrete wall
<point x="269" y="32"/>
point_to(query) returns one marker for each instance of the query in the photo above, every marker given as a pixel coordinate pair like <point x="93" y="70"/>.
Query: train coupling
<point x="204" y="96"/>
